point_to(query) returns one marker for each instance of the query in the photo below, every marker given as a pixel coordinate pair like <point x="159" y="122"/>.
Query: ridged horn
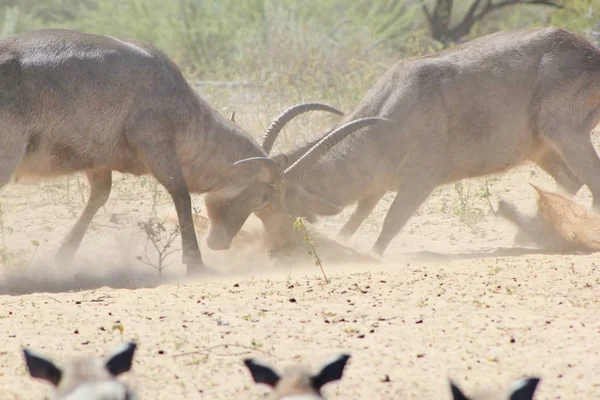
<point x="325" y="144"/>
<point x="277" y="125"/>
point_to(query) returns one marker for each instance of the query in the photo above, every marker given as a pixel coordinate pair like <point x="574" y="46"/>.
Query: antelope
<point x="522" y="389"/>
<point x="85" y="378"/>
<point x="479" y="108"/>
<point x="297" y="382"/>
<point x="72" y="101"/>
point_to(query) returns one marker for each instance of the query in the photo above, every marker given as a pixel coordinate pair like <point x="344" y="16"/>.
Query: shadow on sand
<point x="38" y="279"/>
<point x="424" y="256"/>
<point x="43" y="279"/>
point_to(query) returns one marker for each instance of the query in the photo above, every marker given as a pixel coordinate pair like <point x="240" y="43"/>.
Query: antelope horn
<point x="276" y="126"/>
<point x="232" y="118"/>
<point x="325" y="144"/>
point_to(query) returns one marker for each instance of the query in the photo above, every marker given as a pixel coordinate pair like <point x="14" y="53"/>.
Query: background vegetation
<point x="332" y="50"/>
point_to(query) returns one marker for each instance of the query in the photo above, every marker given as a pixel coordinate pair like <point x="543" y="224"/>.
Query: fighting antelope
<point x="476" y="109"/>
<point x="72" y="101"/>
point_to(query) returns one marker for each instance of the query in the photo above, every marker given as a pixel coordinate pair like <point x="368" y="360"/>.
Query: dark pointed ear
<point x="120" y="360"/>
<point x="262" y="373"/>
<point x="42" y="368"/>
<point x="456" y="393"/>
<point x="331" y="371"/>
<point x="263" y="168"/>
<point x="523" y="389"/>
<point x="300" y="202"/>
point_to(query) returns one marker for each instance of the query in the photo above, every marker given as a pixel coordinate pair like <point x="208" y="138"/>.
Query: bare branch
<point x="438" y="20"/>
<point x="496" y="6"/>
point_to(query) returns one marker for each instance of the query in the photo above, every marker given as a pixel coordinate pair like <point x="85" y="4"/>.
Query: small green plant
<point x="201" y="223"/>
<point x="247" y="317"/>
<point x="485" y="193"/>
<point x="153" y="185"/>
<point x="162" y="242"/>
<point x="119" y="327"/>
<point x="351" y="331"/>
<point x="466" y="209"/>
<point x="300" y="226"/>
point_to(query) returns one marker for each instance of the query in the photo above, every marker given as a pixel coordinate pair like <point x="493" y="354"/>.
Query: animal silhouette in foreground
<point x="522" y="389"/>
<point x="478" y="108"/>
<point x="297" y="382"/>
<point x="85" y="378"/>
<point x="73" y="101"/>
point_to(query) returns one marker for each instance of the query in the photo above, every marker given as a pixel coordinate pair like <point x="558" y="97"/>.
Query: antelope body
<point x="72" y="101"/>
<point x="522" y="389"/>
<point x="85" y="378"/>
<point x="476" y="109"/>
<point x="296" y="382"/>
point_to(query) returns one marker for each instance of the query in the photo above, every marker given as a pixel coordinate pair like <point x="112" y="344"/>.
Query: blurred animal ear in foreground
<point x="262" y="373"/>
<point x="41" y="367"/>
<point x="457" y="394"/>
<point x="331" y="371"/>
<point x="120" y="360"/>
<point x="522" y="389"/>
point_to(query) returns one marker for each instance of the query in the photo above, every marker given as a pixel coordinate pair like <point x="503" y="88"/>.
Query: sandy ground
<point x="441" y="304"/>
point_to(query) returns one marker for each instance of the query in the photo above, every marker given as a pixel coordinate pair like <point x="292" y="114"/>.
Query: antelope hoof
<point x="199" y="269"/>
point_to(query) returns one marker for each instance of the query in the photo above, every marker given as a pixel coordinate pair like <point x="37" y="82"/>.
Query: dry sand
<point x="441" y="304"/>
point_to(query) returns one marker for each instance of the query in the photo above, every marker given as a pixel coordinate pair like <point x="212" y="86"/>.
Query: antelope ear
<point x="42" y="368"/>
<point x="331" y="371"/>
<point x="523" y="389"/>
<point x="263" y="168"/>
<point x="120" y="360"/>
<point x="262" y="373"/>
<point x="457" y="394"/>
<point x="300" y="202"/>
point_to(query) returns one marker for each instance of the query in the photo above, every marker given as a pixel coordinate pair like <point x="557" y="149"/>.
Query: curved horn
<point x="251" y="159"/>
<point x="325" y="144"/>
<point x="276" y="126"/>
